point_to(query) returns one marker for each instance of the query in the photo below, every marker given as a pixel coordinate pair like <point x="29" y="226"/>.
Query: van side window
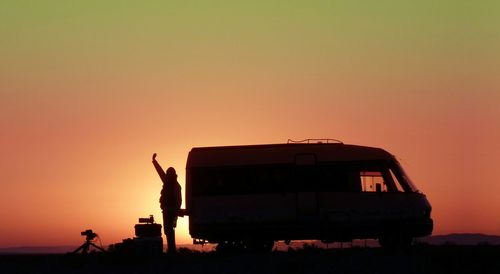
<point x="397" y="184"/>
<point x="371" y="181"/>
<point x="241" y="180"/>
<point x="331" y="178"/>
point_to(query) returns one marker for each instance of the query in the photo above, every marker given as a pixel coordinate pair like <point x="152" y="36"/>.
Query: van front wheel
<point x="395" y="241"/>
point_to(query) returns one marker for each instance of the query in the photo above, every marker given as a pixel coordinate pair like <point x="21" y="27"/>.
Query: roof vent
<point x="315" y="141"/>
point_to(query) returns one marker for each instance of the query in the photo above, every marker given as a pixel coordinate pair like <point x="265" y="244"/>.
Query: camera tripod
<point x="85" y="247"/>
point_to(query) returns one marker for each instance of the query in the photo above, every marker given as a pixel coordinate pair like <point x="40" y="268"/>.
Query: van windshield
<point x="400" y="172"/>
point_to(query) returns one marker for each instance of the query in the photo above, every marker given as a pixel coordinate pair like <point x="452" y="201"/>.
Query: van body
<point x="323" y="191"/>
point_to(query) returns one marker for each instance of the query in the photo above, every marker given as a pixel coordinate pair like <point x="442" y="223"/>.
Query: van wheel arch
<point x="395" y="241"/>
<point x="249" y="245"/>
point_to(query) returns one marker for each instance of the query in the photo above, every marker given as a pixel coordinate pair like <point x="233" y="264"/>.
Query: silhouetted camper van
<point x="254" y="195"/>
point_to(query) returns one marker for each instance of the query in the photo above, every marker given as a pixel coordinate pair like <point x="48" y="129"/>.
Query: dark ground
<point x="419" y="259"/>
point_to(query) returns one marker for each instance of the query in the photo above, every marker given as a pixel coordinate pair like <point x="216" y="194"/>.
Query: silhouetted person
<point x="170" y="202"/>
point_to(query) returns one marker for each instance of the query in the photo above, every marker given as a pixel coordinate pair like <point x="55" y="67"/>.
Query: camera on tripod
<point x="89" y="237"/>
<point x="89" y="234"/>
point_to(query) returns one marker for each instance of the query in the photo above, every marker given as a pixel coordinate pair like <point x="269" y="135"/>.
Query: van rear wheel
<point x="229" y="247"/>
<point x="259" y="246"/>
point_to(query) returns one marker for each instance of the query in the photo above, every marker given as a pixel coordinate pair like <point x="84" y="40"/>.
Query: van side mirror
<point x="378" y="188"/>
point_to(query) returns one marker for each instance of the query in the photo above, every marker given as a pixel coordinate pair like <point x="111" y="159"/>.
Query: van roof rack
<point x="315" y="141"/>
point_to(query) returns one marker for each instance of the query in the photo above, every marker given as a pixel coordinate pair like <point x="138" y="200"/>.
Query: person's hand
<point x="154" y="157"/>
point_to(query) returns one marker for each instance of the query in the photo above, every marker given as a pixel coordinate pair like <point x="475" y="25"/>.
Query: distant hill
<point x="450" y="239"/>
<point x="462" y="239"/>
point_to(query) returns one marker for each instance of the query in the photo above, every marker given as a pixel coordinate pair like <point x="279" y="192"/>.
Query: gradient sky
<point x="90" y="89"/>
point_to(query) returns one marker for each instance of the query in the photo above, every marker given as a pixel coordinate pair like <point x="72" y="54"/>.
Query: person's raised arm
<point x="159" y="169"/>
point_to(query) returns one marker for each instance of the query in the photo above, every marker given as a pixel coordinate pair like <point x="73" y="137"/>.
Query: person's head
<point x="171" y="174"/>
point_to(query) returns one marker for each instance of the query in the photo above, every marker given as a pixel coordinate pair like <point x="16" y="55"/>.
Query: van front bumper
<point x="420" y="228"/>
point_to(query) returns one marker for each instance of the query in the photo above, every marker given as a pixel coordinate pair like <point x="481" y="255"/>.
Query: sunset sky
<point x="89" y="90"/>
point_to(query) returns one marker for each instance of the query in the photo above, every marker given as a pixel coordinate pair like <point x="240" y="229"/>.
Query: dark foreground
<point x="420" y="259"/>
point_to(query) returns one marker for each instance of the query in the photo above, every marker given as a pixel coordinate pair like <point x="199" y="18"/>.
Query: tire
<point x="238" y="246"/>
<point x="259" y="246"/>
<point x="393" y="242"/>
<point x="229" y="247"/>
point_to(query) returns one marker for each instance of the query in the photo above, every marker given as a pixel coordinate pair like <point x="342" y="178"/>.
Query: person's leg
<point x="171" y="240"/>
<point x="165" y="226"/>
<point x="170" y="232"/>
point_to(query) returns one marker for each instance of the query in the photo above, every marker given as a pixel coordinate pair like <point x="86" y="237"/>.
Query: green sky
<point x="244" y="36"/>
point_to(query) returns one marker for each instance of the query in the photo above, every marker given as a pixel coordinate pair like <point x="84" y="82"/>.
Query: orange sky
<point x="89" y="92"/>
